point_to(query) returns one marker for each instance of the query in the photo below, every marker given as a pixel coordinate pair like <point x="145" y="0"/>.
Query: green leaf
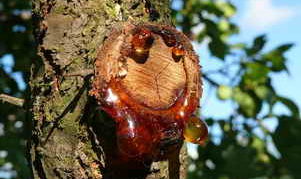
<point x="218" y="48"/>
<point x="285" y="47"/>
<point x="248" y="105"/>
<point x="288" y="141"/>
<point x="238" y="156"/>
<point x="224" y="92"/>
<point x="275" y="59"/>
<point x="228" y="9"/>
<point x="211" y="8"/>
<point x="224" y="25"/>
<point x="291" y="105"/>
<point x="262" y="92"/>
<point x="257" y="46"/>
<point x="256" y="74"/>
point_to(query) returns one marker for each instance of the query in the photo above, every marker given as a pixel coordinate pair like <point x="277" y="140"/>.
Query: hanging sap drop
<point x="195" y="131"/>
<point x="111" y="97"/>
<point x="150" y="96"/>
<point x="134" y="138"/>
<point x="177" y="53"/>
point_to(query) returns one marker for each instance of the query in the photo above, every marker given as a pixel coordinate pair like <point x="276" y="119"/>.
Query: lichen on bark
<point x="68" y="35"/>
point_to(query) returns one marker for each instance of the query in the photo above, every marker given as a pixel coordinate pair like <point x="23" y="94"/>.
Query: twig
<point x="12" y="100"/>
<point x="210" y="80"/>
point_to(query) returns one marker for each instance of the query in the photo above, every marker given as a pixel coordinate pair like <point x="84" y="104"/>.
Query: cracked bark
<point x="68" y="34"/>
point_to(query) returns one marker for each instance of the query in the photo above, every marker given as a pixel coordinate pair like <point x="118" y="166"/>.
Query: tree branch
<point x="210" y="80"/>
<point x="12" y="100"/>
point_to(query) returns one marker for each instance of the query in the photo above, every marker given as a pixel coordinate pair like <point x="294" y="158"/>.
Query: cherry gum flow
<point x="142" y="132"/>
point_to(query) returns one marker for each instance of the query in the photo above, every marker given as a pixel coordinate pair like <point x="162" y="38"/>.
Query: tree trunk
<point x="68" y="35"/>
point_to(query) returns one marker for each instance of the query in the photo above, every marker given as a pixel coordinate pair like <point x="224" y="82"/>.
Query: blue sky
<point x="280" y="21"/>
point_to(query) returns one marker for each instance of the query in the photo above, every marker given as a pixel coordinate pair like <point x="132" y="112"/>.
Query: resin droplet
<point x="195" y="131"/>
<point x="111" y="98"/>
<point x="141" y="83"/>
<point x="141" y="43"/>
<point x="133" y="138"/>
<point x="143" y="39"/>
<point x="178" y="52"/>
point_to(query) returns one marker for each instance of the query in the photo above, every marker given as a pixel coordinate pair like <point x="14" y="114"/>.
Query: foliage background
<point x="240" y="143"/>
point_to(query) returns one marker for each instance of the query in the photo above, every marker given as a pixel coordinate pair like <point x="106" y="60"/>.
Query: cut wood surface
<point x="158" y="82"/>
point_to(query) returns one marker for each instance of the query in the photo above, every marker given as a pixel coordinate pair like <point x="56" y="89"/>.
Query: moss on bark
<point x="68" y="34"/>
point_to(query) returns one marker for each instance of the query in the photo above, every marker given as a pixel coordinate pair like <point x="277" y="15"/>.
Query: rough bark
<point x="68" y="34"/>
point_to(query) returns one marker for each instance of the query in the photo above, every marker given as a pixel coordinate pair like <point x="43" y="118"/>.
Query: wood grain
<point x="158" y="81"/>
